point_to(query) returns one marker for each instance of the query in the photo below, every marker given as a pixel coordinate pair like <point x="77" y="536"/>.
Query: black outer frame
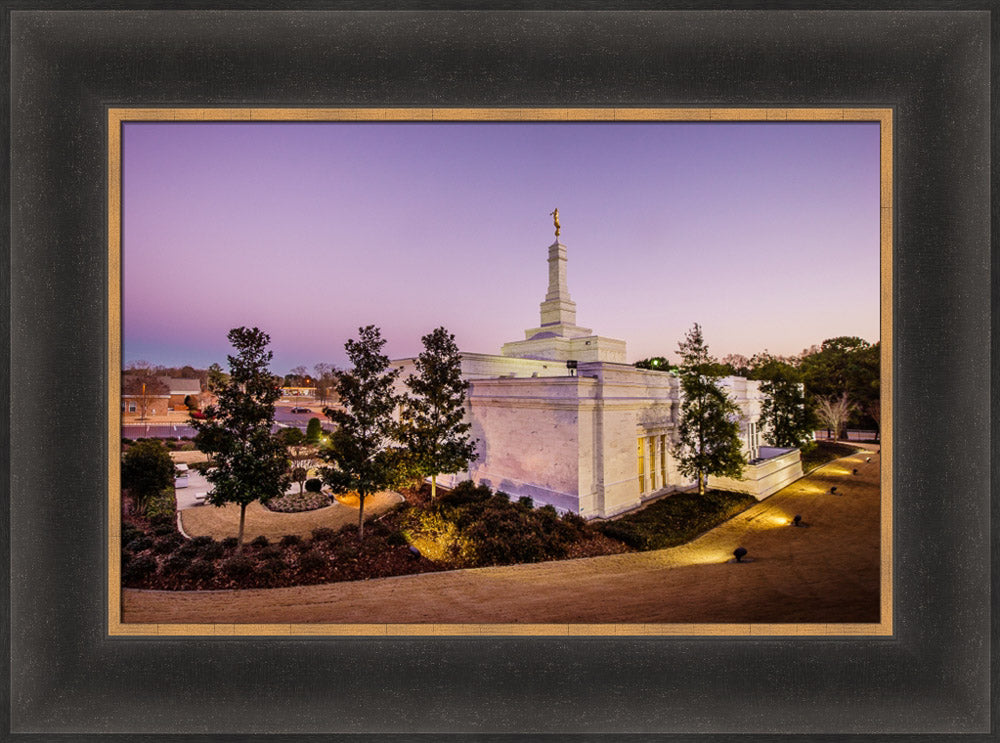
<point x="931" y="678"/>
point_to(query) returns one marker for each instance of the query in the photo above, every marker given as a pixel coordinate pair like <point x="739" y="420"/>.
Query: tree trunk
<point x="239" y="539"/>
<point x="701" y="483"/>
<point x="433" y="486"/>
<point x="361" y="517"/>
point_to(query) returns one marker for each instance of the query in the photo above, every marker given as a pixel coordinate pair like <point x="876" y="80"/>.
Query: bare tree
<point x="833" y="412"/>
<point x="874" y="409"/>
<point x="141" y="383"/>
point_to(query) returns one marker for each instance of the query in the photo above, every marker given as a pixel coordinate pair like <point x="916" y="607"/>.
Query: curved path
<point x="828" y="572"/>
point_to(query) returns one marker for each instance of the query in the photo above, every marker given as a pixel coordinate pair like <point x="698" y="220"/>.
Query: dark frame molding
<point x="932" y="678"/>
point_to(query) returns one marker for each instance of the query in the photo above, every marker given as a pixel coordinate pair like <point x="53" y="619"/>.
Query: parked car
<point x="301" y="410"/>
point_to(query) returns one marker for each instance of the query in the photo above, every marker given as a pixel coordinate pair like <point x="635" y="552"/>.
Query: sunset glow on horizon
<point x="767" y="234"/>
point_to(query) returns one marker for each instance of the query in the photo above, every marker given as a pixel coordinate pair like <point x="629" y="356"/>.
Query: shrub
<point x="130" y="532"/>
<point x="176" y="564"/>
<point x="323" y="534"/>
<point x="139" y="544"/>
<point x="147" y="470"/>
<point x="202" y="541"/>
<point x="314" y="485"/>
<point x="464" y="493"/>
<point x="526" y="501"/>
<point x="161" y="530"/>
<point x="191" y="549"/>
<point x="260" y="541"/>
<point x="213" y="550"/>
<point x="167" y="544"/>
<point x="676" y="519"/>
<point x="139" y="568"/>
<point x="311" y="561"/>
<point x="396" y="539"/>
<point x="200" y="467"/>
<point x="291" y="540"/>
<point x="201" y="570"/>
<point x="314" y="430"/>
<point x="272" y="569"/>
<point x="230" y="543"/>
<point x="271" y="551"/>
<point x="238" y="566"/>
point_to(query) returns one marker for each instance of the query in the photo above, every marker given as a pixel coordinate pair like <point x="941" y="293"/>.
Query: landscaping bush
<point x="314" y="430"/>
<point x="230" y="543"/>
<point x="295" y="503"/>
<point x="311" y="561"/>
<point x="525" y="501"/>
<point x="201" y="569"/>
<point x="139" y="568"/>
<point x="130" y="532"/>
<point x="238" y="566"/>
<point x="191" y="549"/>
<point x="323" y="534"/>
<point x="291" y="540"/>
<point x="464" y="493"/>
<point x="161" y="530"/>
<point x="314" y="485"/>
<point x="202" y="541"/>
<point x="167" y="544"/>
<point x="139" y="544"/>
<point x="211" y="551"/>
<point x="260" y="541"/>
<point x="272" y="569"/>
<point x="676" y="519"/>
<point x="200" y="467"/>
<point x="271" y="551"/>
<point x="176" y="564"/>
<point x="396" y="539"/>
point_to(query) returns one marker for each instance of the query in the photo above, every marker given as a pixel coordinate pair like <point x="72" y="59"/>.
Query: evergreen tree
<point x="362" y="450"/>
<point x="314" y="430"/>
<point x="433" y="421"/>
<point x="147" y="470"/>
<point x="708" y="432"/>
<point x="786" y="413"/>
<point x="250" y="463"/>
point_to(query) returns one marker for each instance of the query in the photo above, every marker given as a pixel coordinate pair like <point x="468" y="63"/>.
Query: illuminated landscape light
<point x="833" y="490"/>
<point x="739" y="553"/>
<point x="797" y="521"/>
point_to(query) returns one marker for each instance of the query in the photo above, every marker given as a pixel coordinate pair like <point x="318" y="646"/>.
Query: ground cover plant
<point x="671" y="521"/>
<point x="821" y="452"/>
<point x="298" y="502"/>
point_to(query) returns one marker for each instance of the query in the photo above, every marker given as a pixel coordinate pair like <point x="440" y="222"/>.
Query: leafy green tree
<point x="433" y="422"/>
<point x="656" y="363"/>
<point x="314" y="430"/>
<point x="250" y="463"/>
<point x="362" y="450"/>
<point x="147" y="470"/>
<point x="786" y="411"/>
<point x="217" y="379"/>
<point x="708" y="432"/>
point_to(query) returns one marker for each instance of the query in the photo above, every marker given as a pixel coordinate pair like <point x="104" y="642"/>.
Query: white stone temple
<point x="563" y="419"/>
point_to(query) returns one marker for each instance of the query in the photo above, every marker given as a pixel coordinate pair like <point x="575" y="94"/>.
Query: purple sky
<point x="766" y="234"/>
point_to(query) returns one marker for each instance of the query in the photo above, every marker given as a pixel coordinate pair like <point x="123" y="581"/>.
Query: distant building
<point x="170" y="395"/>
<point x="561" y="418"/>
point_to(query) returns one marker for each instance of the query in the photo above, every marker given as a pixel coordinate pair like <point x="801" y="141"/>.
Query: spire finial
<point x="555" y="219"/>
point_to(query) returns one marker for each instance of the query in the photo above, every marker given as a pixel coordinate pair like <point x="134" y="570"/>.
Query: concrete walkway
<point x="827" y="572"/>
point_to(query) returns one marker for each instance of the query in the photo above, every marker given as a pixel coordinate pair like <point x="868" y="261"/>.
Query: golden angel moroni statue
<point x="555" y="219"/>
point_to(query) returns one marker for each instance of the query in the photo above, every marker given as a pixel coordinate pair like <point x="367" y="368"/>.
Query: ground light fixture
<point x="739" y="553"/>
<point x="855" y="470"/>
<point x="414" y="553"/>
<point x="833" y="490"/>
<point x="797" y="520"/>
<point x="868" y="459"/>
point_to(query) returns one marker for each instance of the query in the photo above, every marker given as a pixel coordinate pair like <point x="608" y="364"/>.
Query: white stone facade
<point x="595" y="439"/>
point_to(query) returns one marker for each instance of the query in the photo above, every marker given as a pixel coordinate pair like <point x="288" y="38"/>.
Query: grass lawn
<point x="826" y="451"/>
<point x="676" y="519"/>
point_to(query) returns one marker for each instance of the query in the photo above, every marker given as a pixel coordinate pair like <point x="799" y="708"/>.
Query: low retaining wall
<point x="765" y="477"/>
